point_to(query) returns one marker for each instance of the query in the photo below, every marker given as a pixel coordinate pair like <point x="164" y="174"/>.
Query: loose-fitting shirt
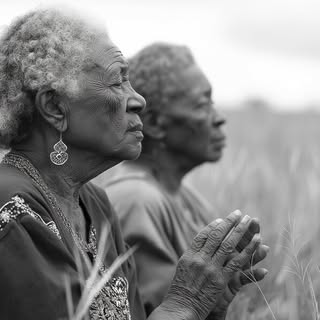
<point x="162" y="224"/>
<point x="37" y="255"/>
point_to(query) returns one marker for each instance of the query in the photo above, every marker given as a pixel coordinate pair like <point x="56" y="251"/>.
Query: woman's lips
<point x="139" y="135"/>
<point x="137" y="127"/>
<point x="137" y="131"/>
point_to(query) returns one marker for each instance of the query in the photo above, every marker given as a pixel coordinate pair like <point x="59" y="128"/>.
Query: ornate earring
<point x="59" y="156"/>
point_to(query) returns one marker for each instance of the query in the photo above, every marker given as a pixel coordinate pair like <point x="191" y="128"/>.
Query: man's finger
<point x="250" y="276"/>
<point x="229" y="244"/>
<point x="258" y="256"/>
<point x="239" y="261"/>
<point x="201" y="238"/>
<point x="254" y="227"/>
<point x="217" y="235"/>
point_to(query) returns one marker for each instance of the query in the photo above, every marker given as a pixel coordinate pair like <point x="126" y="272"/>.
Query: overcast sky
<point x="266" y="49"/>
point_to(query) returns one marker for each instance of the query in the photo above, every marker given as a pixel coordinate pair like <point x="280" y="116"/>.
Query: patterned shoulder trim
<point x="17" y="206"/>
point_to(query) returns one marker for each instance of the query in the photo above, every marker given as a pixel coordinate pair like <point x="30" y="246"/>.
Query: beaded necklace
<point x="27" y="168"/>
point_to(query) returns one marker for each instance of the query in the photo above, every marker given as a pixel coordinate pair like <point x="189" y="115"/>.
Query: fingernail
<point x="256" y="237"/>
<point x="219" y="220"/>
<point x="256" y="220"/>
<point x="266" y="248"/>
<point x="237" y="212"/>
<point x="245" y="219"/>
<point x="265" y="271"/>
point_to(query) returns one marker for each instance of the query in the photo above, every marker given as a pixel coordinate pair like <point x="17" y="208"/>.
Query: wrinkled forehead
<point x="104" y="54"/>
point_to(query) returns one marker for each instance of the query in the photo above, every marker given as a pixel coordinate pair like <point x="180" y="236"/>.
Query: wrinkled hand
<point x="243" y="277"/>
<point x="205" y="270"/>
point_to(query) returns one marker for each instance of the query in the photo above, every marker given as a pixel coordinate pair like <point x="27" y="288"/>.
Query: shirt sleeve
<point x="143" y="224"/>
<point x="34" y="265"/>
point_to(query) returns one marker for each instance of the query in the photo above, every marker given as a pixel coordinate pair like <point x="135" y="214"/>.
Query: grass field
<point x="271" y="170"/>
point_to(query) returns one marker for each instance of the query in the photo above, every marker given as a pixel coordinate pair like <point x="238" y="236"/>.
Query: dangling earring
<point x="59" y="156"/>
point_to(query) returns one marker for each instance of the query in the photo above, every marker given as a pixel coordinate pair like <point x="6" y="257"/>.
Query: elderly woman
<point x="68" y="112"/>
<point x="182" y="131"/>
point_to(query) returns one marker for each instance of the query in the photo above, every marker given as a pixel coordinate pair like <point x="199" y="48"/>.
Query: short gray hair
<point x="154" y="73"/>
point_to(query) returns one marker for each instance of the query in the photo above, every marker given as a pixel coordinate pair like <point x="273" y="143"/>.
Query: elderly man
<point x="182" y="131"/>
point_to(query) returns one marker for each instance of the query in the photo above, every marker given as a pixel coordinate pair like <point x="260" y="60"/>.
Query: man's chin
<point x="214" y="157"/>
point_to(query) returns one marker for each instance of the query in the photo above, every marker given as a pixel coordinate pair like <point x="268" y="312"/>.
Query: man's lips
<point x="220" y="143"/>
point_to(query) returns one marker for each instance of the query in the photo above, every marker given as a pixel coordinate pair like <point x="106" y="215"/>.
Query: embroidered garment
<point x="16" y="207"/>
<point x="112" y="301"/>
<point x="37" y="256"/>
<point x="161" y="223"/>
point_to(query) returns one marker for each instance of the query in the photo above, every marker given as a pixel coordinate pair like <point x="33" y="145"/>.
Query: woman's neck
<point x="66" y="180"/>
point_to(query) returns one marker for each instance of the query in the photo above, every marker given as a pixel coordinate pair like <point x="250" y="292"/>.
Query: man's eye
<point x="205" y="104"/>
<point x="201" y="106"/>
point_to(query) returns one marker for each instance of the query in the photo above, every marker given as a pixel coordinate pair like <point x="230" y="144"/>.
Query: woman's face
<point x="195" y="127"/>
<point x="104" y="119"/>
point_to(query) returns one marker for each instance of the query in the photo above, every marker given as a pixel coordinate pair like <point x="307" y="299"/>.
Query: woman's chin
<point x="133" y="152"/>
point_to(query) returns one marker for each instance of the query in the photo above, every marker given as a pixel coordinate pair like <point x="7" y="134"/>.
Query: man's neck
<point x="169" y="169"/>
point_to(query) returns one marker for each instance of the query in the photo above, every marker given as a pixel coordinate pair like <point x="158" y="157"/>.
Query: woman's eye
<point x="117" y="85"/>
<point x="119" y="82"/>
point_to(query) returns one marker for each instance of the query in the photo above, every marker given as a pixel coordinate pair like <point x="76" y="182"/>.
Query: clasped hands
<point x="219" y="262"/>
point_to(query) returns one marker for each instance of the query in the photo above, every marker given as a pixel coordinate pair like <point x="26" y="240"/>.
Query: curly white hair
<point x="44" y="48"/>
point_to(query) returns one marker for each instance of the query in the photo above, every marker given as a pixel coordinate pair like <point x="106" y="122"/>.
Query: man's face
<point x="194" y="126"/>
<point x="104" y="119"/>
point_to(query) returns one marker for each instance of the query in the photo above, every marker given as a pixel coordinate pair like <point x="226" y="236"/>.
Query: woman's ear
<point x="51" y="107"/>
<point x="154" y="125"/>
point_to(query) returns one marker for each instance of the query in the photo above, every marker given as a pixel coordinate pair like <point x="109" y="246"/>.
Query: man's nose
<point x="136" y="103"/>
<point x="218" y="120"/>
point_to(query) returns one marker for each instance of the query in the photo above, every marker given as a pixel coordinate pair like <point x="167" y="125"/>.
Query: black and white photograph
<point x="159" y="160"/>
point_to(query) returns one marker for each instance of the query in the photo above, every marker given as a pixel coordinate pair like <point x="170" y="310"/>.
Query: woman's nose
<point x="136" y="103"/>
